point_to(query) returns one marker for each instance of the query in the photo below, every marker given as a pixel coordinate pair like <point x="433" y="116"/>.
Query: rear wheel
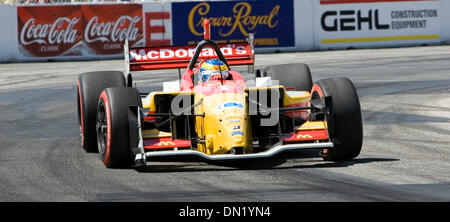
<point x="295" y="76"/>
<point x="345" y="127"/>
<point x="117" y="132"/>
<point x="89" y="87"/>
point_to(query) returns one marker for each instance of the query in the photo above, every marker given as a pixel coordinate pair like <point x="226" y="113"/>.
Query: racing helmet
<point x="212" y="69"/>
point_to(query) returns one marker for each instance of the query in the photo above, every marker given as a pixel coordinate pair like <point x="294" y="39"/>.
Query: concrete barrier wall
<point x="317" y="25"/>
<point x="444" y="8"/>
<point x="8" y="35"/>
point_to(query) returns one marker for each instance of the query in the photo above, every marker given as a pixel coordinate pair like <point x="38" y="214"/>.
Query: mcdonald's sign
<point x="304" y="136"/>
<point x="166" y="143"/>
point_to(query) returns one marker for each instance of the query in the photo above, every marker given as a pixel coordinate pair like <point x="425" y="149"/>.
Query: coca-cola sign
<point x="116" y="31"/>
<point x="108" y="26"/>
<point x="49" y="33"/>
<point x="49" y="30"/>
<point x="78" y="30"/>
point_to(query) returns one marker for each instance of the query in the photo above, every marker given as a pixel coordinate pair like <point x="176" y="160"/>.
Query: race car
<point x="211" y="113"/>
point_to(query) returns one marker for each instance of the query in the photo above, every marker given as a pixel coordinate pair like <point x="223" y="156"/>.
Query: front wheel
<point x="117" y="130"/>
<point x="345" y="123"/>
<point x="89" y="87"/>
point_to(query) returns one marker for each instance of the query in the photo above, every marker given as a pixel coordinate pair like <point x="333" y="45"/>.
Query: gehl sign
<point x="350" y="20"/>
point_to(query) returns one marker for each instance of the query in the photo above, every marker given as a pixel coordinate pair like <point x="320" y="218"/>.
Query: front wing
<point x="312" y="135"/>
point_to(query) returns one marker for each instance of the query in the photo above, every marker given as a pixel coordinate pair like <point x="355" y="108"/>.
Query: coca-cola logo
<point x="76" y="30"/>
<point x="60" y="31"/>
<point x="120" y="30"/>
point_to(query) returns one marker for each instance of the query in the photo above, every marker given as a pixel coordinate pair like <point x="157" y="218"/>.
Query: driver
<point x="212" y="69"/>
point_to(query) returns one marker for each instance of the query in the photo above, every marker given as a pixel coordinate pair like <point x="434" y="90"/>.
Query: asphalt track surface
<point x="405" y="101"/>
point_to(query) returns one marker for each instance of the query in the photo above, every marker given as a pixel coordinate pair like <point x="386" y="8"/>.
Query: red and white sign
<point x="187" y="52"/>
<point x="179" y="57"/>
<point x="152" y="30"/>
<point x="78" y="30"/>
<point x="157" y="23"/>
<point x="108" y="26"/>
<point x="49" y="30"/>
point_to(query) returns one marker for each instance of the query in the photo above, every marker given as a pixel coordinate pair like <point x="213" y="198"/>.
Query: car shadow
<point x="287" y="160"/>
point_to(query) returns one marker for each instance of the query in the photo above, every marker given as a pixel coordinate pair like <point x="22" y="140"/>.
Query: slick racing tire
<point x="117" y="126"/>
<point x="345" y="124"/>
<point x="89" y="87"/>
<point x="295" y="76"/>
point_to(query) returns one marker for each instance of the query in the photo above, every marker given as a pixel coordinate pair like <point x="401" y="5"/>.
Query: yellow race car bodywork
<point x="223" y="120"/>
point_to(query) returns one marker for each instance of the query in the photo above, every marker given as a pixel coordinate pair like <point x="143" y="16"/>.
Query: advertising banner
<point x="272" y="22"/>
<point x="185" y="53"/>
<point x="106" y="27"/>
<point x="157" y="23"/>
<point x="365" y="23"/>
<point x="50" y="31"/>
<point x="179" y="56"/>
<point x="78" y="30"/>
<point x="156" y="35"/>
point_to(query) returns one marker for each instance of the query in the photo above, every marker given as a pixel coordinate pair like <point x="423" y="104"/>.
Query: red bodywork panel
<point x="306" y="135"/>
<point x="168" y="142"/>
<point x="165" y="142"/>
<point x="172" y="57"/>
<point x="298" y="113"/>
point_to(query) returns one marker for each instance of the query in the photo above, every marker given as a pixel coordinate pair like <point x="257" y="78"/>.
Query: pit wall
<point x="97" y="31"/>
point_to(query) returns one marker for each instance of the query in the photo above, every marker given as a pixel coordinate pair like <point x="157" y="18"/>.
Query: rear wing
<point x="176" y="57"/>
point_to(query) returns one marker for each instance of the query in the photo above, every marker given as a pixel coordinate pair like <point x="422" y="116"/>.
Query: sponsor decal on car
<point x="187" y="52"/>
<point x="229" y="105"/>
<point x="165" y="143"/>
<point x="304" y="136"/>
<point x="237" y="133"/>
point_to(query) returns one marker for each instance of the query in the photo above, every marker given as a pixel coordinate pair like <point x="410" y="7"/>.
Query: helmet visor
<point x="206" y="74"/>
